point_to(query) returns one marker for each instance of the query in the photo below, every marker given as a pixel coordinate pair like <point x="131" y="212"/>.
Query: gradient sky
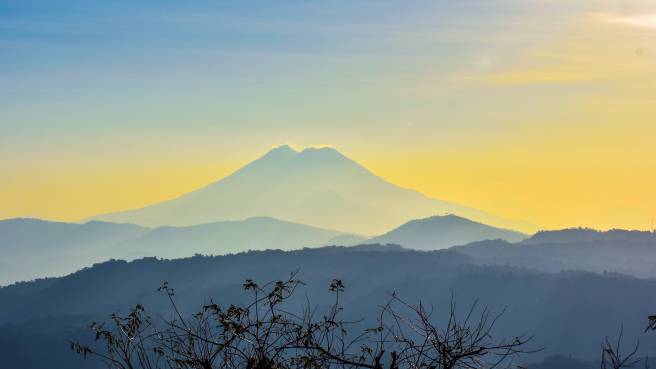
<point x="538" y="110"/>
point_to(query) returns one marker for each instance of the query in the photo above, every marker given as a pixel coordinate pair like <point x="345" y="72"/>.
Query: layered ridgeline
<point x="317" y="186"/>
<point x="617" y="251"/>
<point x="32" y="248"/>
<point x="440" y="232"/>
<point x="36" y="248"/>
<point x="568" y="313"/>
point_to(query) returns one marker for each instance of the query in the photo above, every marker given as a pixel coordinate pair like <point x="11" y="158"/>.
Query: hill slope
<point x="439" y="232"/>
<point x="35" y="248"/>
<point x="221" y="238"/>
<point x="317" y="186"/>
<point x="627" y="252"/>
<point x="568" y="312"/>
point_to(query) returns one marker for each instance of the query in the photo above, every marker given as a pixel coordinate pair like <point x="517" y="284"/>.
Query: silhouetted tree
<point x="266" y="334"/>
<point x="613" y="358"/>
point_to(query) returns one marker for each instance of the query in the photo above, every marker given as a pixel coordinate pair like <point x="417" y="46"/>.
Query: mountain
<point x="590" y="235"/>
<point x="8" y="273"/>
<point x="618" y="251"/>
<point x="316" y="186"/>
<point x="440" y="232"/>
<point x="38" y="248"/>
<point x="34" y="248"/>
<point x="567" y="313"/>
<point x="222" y="238"/>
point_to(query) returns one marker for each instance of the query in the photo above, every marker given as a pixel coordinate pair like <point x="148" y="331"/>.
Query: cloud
<point x="530" y="77"/>
<point x="642" y="20"/>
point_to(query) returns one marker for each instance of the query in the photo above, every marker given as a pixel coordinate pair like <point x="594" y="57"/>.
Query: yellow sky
<point x="559" y="131"/>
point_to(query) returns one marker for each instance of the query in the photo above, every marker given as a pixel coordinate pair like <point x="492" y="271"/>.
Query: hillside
<point x="222" y="238"/>
<point x="439" y="232"/>
<point x="37" y="248"/>
<point x="34" y="248"/>
<point x="627" y="252"/>
<point x="585" y="306"/>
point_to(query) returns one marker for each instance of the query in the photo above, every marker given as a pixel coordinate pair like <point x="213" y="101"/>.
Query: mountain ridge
<point x="439" y="232"/>
<point x="38" y="248"/>
<point x="316" y="186"/>
<point x="615" y="251"/>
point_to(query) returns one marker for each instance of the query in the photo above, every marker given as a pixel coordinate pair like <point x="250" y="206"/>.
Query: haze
<point x="541" y="111"/>
<point x="327" y="184"/>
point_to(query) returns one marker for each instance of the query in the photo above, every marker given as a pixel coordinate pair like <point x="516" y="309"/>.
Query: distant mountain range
<point x="36" y="248"/>
<point x="316" y="186"/>
<point x="440" y="232"/>
<point x="618" y="251"/>
<point x="590" y="235"/>
<point x="222" y="238"/>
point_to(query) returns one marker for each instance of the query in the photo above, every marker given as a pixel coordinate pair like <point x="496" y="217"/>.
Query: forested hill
<point x="617" y="251"/>
<point x="567" y="312"/>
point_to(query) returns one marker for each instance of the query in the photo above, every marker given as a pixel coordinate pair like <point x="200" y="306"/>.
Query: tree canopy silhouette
<point x="271" y="332"/>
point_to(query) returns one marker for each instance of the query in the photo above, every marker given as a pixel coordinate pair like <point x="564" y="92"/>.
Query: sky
<point x="539" y="110"/>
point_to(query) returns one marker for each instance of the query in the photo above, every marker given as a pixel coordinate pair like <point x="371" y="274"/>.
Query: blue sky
<point x="424" y="93"/>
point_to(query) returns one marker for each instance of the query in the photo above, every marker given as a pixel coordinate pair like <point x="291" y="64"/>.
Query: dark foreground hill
<point x="569" y="313"/>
